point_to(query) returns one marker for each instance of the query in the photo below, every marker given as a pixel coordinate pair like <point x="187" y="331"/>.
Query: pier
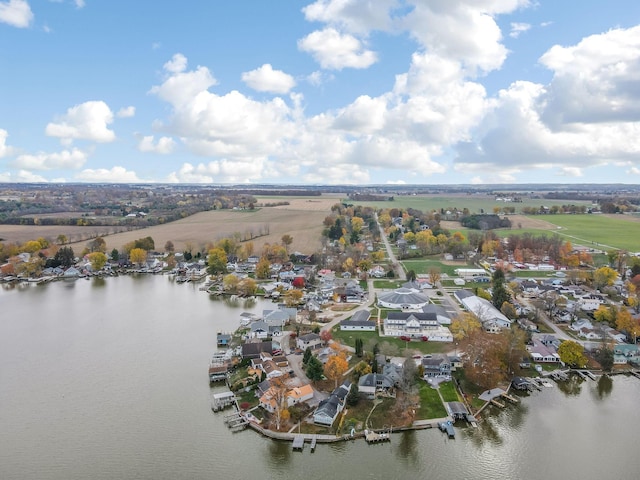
<point x="448" y="428"/>
<point x="235" y="421"/>
<point x="373" y="437"/>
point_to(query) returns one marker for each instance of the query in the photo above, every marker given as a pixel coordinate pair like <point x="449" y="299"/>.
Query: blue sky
<point x="324" y="92"/>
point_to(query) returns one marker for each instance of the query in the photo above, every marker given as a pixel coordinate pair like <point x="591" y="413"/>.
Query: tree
<point x="335" y="367"/>
<point x="307" y="355"/>
<point x="411" y="275"/>
<point x="434" y="276"/>
<point x="499" y="293"/>
<point x="230" y="283"/>
<point x="604" y="277"/>
<point x="138" y="256"/>
<point x="287" y="240"/>
<point x="293" y="297"/>
<point x="326" y="336"/>
<point x="604" y="314"/>
<point x="169" y="247"/>
<point x="353" y="397"/>
<point x="508" y="310"/>
<point x="65" y="257"/>
<point x="572" y="354"/>
<point x="98" y="260"/>
<point x="626" y="323"/>
<point x="247" y="287"/>
<point x="360" y="369"/>
<point x="62" y="239"/>
<point x="278" y="392"/>
<point x="314" y="369"/>
<point x="409" y="375"/>
<point x="464" y="326"/>
<point x="115" y="255"/>
<point x="216" y="261"/>
<point x="97" y="245"/>
<point x="263" y="268"/>
<point x="604" y="356"/>
<point x="359" y="346"/>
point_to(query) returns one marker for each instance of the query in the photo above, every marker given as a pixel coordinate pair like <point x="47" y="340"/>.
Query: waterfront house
<point x="372" y="383"/>
<point x="481" y="308"/>
<point x="293" y="396"/>
<point x="328" y="409"/>
<point x="436" y="365"/>
<point x="543" y="353"/>
<point x="253" y="349"/>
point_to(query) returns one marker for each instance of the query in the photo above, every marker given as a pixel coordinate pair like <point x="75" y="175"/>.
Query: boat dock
<point x="586" y="374"/>
<point x="448" y="428"/>
<point x="235" y="421"/>
<point x="298" y="442"/>
<point x="220" y="401"/>
<point x="374" y="437"/>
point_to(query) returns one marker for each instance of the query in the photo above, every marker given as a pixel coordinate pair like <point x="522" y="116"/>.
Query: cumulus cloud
<point x="16" y="13"/>
<point x="178" y="63"/>
<point x="23" y="176"/>
<point x="335" y="51"/>
<point x="356" y="16"/>
<point x="5" y="150"/>
<point x="116" y="174"/>
<point x="538" y="127"/>
<point x="79" y="3"/>
<point x="164" y="146"/>
<point x="266" y="79"/>
<point x="518" y="28"/>
<point x="126" y="112"/>
<point x="87" y="121"/>
<point x="67" y="159"/>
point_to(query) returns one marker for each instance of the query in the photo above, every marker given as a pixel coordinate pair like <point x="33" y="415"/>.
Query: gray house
<point x="329" y="408"/>
<point x="436" y="365"/>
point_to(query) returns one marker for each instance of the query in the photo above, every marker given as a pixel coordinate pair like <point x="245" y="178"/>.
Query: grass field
<point x="475" y="203"/>
<point x="600" y="231"/>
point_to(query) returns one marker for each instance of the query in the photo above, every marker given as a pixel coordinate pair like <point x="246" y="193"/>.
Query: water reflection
<point x="572" y="386"/>
<point x="98" y="282"/>
<point x="604" y="388"/>
<point x="278" y="455"/>
<point x="407" y="449"/>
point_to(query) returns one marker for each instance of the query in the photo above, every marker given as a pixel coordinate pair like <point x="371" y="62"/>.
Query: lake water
<point x="107" y="379"/>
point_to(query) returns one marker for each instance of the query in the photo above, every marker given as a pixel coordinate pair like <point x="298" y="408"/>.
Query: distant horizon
<point x="320" y="92"/>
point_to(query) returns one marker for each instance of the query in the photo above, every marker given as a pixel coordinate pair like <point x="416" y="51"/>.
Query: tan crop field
<point x="302" y="219"/>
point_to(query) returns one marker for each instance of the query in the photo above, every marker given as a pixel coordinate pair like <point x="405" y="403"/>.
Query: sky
<point x="354" y="92"/>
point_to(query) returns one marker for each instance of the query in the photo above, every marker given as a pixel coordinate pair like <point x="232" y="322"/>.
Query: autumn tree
<point x="247" y="287"/>
<point x="169" y="247"/>
<point x="263" y="268"/>
<point x="336" y="366"/>
<point x="626" y="323"/>
<point x="287" y="240"/>
<point x="604" y="277"/>
<point x="278" y="392"/>
<point x="61" y="239"/>
<point x="230" y="283"/>
<point x="572" y="354"/>
<point x="464" y="326"/>
<point x="98" y="260"/>
<point x="326" y="336"/>
<point x="434" y="276"/>
<point x="217" y="261"/>
<point x="293" y="297"/>
<point x="508" y="310"/>
<point x="97" y="245"/>
<point x="138" y="256"/>
<point x="486" y="363"/>
<point x="360" y="369"/>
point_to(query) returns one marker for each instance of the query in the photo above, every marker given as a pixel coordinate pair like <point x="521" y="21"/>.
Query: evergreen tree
<point x="499" y="290"/>
<point x="315" y="369"/>
<point x="359" y="347"/>
<point x="307" y="355"/>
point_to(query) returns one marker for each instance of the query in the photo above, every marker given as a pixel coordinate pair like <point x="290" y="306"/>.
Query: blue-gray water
<point x="107" y="379"/>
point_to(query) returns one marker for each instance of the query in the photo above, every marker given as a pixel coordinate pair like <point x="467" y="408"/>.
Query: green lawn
<point x="430" y="403"/>
<point x="390" y="345"/>
<point x="423" y="265"/>
<point x="449" y="392"/>
<point x="475" y="203"/>
<point x="603" y="233"/>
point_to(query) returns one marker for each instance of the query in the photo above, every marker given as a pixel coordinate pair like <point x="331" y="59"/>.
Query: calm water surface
<point x="107" y="379"/>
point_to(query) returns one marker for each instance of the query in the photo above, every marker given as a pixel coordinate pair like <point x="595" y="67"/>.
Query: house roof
<point x="404" y="296"/>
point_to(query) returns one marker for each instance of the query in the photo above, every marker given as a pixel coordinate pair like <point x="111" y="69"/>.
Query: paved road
<point x="400" y="273"/>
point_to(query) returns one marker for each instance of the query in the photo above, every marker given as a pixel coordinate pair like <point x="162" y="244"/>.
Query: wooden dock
<point x="510" y="398"/>
<point x="373" y="437"/>
<point x="314" y="441"/>
<point x="298" y="442"/>
<point x="235" y="421"/>
<point x="497" y="403"/>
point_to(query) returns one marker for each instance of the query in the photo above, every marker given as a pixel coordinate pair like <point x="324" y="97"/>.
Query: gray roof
<point x="361" y="315"/>
<point x="403" y="296"/>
